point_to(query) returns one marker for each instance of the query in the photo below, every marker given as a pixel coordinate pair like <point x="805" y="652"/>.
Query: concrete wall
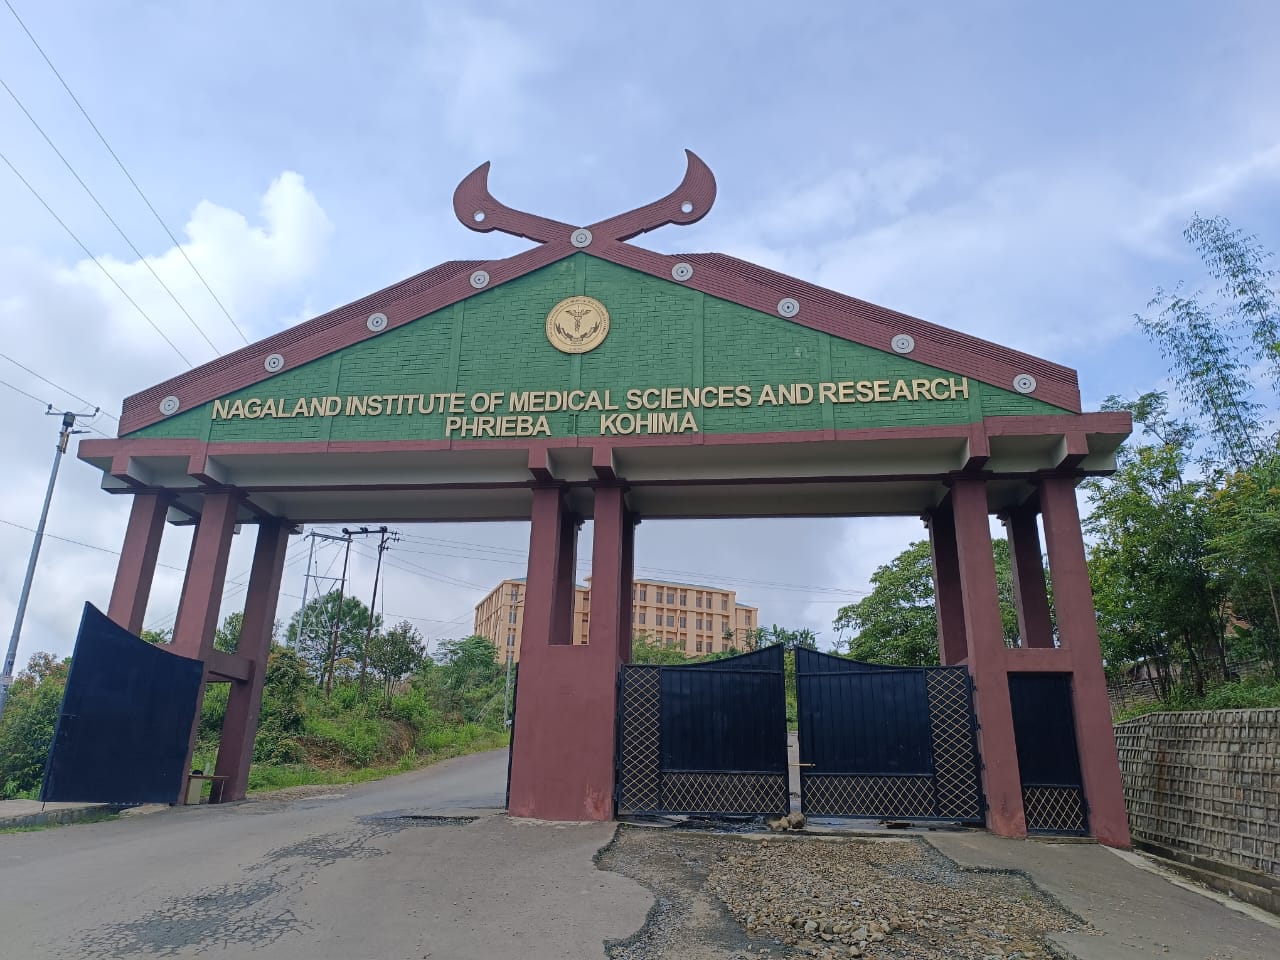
<point x="1204" y="787"/>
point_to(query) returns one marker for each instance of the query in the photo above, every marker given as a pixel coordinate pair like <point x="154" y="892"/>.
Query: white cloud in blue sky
<point x="1018" y="172"/>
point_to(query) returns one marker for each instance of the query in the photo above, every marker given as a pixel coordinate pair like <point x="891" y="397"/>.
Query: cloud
<point x="481" y="68"/>
<point x="74" y="326"/>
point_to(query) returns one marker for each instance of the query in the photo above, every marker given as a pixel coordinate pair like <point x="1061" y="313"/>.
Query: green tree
<point x="645" y="648"/>
<point x="1210" y="343"/>
<point x="395" y="653"/>
<point x="896" y="622"/>
<point x="1156" y="599"/>
<point x="464" y="681"/>
<point x="1245" y="551"/>
<point x="311" y="633"/>
<point x="29" y="718"/>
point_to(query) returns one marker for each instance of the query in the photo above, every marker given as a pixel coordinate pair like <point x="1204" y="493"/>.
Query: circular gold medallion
<point x="577" y="325"/>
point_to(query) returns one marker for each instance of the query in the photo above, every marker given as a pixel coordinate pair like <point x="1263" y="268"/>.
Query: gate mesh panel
<point x="954" y="760"/>
<point x="1057" y="809"/>
<point x="903" y="796"/>
<point x="640" y="772"/>
<point x="725" y="792"/>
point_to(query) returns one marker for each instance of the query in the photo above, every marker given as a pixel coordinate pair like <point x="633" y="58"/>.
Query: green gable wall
<point x="662" y="334"/>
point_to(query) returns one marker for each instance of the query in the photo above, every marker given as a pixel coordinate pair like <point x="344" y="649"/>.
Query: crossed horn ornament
<point x="688" y="203"/>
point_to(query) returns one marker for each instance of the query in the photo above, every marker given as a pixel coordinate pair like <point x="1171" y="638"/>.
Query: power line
<point x="81" y="543"/>
<point x="35" y="193"/>
<point x="24" y="393"/>
<point x="120" y="163"/>
<point x="110" y="219"/>
<point x="73" y="396"/>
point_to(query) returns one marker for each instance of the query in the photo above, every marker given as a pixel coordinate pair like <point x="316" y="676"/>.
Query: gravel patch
<point x="728" y="898"/>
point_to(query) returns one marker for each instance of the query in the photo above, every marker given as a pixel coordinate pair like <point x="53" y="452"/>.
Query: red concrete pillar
<point x="206" y="575"/>
<point x="566" y="572"/>
<point x="137" y="567"/>
<point x="562" y="760"/>
<point x="235" y="748"/>
<point x="985" y="633"/>
<point x="1078" y="634"/>
<point x="627" y="606"/>
<point x="202" y="596"/>
<point x="948" y="593"/>
<point x="546" y="536"/>
<point x="1035" y="626"/>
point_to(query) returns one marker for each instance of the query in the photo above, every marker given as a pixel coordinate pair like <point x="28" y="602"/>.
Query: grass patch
<point x="1248" y="694"/>
<point x="439" y="744"/>
<point x="98" y="817"/>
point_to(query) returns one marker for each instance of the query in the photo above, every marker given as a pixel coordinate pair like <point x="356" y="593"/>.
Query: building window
<point x="511" y="617"/>
<point x="671" y="621"/>
<point x="699" y="646"/>
<point x="644" y="594"/>
<point x="699" y="623"/>
<point x="642" y="618"/>
<point x="515" y="594"/>
<point x="511" y="638"/>
<point x="724" y="648"/>
<point x="724" y="603"/>
<point x="697" y="599"/>
<point x="684" y="598"/>
<point x="748" y="618"/>
<point x="684" y="621"/>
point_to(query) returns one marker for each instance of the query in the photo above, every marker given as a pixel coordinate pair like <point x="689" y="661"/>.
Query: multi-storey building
<point x="694" y="617"/>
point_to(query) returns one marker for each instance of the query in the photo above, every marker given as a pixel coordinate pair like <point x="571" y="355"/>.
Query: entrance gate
<point x="1048" y="758"/>
<point x="703" y="738"/>
<point x="880" y="741"/>
<point x="589" y="377"/>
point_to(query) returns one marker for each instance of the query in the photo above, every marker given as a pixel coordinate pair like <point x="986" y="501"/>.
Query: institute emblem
<point x="577" y="325"/>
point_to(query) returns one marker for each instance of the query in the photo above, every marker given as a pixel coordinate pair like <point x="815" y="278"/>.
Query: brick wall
<point x="1206" y="784"/>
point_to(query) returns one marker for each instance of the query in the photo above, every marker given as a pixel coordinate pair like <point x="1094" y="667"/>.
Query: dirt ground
<point x="727" y="897"/>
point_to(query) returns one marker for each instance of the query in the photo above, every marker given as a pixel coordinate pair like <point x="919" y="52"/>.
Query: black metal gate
<point x="1045" y="731"/>
<point x="886" y="742"/>
<point x="706" y="738"/>
<point x="125" y="719"/>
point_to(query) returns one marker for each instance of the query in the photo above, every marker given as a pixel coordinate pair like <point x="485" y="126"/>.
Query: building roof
<point x="716" y="275"/>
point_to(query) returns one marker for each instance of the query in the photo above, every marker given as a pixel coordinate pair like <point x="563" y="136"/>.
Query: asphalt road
<point x="360" y="872"/>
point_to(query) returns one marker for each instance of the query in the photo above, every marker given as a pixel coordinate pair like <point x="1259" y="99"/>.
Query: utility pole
<point x="337" y="619"/>
<point x="385" y="538"/>
<point x="64" y="436"/>
<point x="307" y="577"/>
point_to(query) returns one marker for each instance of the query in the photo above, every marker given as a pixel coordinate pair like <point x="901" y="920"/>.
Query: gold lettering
<point x="542" y="428"/>
<point x="960" y="389"/>
<point x="937" y="390"/>
<point x="576" y="399"/>
<point x="902" y="391"/>
<point x="634" y="399"/>
<point x="804" y="393"/>
<point x="866" y="392"/>
<point x="919" y="387"/>
<point x="652" y="399"/>
<point x="253" y="408"/>
<point x="743" y="395"/>
<point x="221" y="409"/>
<point x="786" y="393"/>
<point x="688" y="423"/>
<point x="827" y="393"/>
<point x="766" y="395"/>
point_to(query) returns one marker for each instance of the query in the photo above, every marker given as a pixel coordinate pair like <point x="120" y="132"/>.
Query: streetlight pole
<point x="64" y="436"/>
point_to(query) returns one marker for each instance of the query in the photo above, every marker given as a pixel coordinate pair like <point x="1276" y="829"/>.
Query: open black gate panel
<point x="123" y="728"/>
<point x="886" y="742"/>
<point x="1044" y="729"/>
<point x="705" y="738"/>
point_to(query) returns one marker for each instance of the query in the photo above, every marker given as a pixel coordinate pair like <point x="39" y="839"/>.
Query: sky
<point x="1019" y="172"/>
